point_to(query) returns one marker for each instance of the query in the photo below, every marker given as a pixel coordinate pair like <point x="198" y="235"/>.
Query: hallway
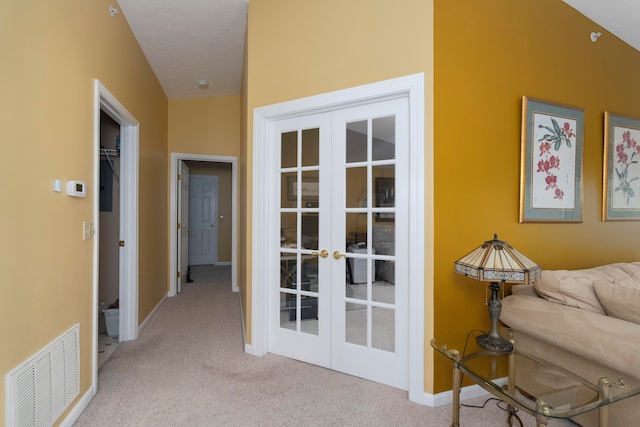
<point x="189" y="368"/>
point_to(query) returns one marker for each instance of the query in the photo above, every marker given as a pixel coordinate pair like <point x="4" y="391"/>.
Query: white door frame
<point x="411" y="87"/>
<point x="129" y="131"/>
<point x="182" y="262"/>
<point x="173" y="215"/>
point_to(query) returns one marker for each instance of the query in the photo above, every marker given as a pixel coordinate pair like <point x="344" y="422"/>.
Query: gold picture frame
<point x="551" y="162"/>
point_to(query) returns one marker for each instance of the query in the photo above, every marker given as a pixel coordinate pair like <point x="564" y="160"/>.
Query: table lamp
<point x="497" y="261"/>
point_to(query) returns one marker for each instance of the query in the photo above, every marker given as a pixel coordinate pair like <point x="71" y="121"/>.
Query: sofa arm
<point x="594" y="336"/>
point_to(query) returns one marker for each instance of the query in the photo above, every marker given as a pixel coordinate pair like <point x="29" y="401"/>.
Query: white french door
<point x="340" y="296"/>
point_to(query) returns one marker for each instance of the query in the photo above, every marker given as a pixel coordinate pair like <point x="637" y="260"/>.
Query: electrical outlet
<point x="87" y="230"/>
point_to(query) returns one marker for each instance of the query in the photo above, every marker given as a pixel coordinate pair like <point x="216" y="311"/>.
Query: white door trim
<point x="173" y="215"/>
<point x="409" y="86"/>
<point x="129" y="130"/>
<point x="182" y="213"/>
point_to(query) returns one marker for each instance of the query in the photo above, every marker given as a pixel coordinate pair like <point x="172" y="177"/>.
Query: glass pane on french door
<point x="299" y="226"/>
<point x="369" y="293"/>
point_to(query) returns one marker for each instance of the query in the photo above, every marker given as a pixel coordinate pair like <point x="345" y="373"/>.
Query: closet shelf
<point x="110" y="152"/>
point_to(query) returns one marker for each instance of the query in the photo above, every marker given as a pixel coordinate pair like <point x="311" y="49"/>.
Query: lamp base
<point x="494" y="343"/>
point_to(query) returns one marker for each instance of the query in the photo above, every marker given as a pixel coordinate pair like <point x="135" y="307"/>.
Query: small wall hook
<point x="113" y="10"/>
<point x="594" y="36"/>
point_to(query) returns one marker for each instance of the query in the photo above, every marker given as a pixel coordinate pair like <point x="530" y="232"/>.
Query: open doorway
<point x="223" y="222"/>
<point x="127" y="258"/>
<point x="109" y="262"/>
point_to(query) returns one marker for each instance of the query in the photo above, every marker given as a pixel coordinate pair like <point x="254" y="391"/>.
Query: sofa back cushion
<point x="619" y="301"/>
<point x="575" y="288"/>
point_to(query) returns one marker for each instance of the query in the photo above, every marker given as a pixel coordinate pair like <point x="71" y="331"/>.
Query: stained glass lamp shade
<point x="497" y="262"/>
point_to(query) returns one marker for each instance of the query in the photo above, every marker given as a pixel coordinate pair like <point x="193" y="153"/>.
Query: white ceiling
<point x="190" y="40"/>
<point x="620" y="17"/>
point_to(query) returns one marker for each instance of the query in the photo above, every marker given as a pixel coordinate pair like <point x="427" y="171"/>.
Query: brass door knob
<point x="338" y="255"/>
<point x="324" y="253"/>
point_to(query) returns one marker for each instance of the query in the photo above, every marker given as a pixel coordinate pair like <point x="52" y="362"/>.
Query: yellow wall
<point x="209" y="126"/>
<point x="51" y="54"/>
<point x="205" y="125"/>
<point x="487" y="56"/>
<point x="299" y="48"/>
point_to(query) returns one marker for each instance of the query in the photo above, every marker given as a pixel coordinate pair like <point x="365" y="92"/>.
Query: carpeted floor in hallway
<point x="189" y="368"/>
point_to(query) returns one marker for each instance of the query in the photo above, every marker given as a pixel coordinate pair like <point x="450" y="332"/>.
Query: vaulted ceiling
<point x="194" y="40"/>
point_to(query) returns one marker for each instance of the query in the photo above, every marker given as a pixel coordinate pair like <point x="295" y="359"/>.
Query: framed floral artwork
<point x="551" y="162"/>
<point x="621" y="170"/>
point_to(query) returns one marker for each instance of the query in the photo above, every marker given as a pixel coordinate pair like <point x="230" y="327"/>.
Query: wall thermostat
<point x="76" y="189"/>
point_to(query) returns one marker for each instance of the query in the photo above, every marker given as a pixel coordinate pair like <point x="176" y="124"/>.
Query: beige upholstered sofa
<point x="587" y="321"/>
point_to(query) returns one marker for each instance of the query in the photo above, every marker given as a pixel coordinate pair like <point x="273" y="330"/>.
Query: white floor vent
<point x="41" y="389"/>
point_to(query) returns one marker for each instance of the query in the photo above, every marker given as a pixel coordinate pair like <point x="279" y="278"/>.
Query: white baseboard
<point x="146" y="321"/>
<point x="79" y="408"/>
<point x="466" y="393"/>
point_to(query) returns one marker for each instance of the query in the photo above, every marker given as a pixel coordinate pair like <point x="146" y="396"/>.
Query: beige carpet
<point x="188" y="368"/>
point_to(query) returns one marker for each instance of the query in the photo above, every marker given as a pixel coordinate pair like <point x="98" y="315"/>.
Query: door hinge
<point x="179" y="177"/>
<point x="178" y="226"/>
<point x="121" y="243"/>
<point x="178" y="274"/>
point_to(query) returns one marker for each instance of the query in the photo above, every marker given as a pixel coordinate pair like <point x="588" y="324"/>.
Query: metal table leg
<point x="457" y="379"/>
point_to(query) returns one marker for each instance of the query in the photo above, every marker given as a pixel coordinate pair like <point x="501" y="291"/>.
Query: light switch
<point x="87" y="230"/>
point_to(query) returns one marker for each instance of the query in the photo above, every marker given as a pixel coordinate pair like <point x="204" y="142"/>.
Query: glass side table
<point x="533" y="385"/>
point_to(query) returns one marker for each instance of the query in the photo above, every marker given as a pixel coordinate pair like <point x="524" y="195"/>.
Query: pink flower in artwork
<point x="543" y="166"/>
<point x="622" y="155"/>
<point x="559" y="194"/>
<point x="546" y="165"/>
<point x="626" y="153"/>
<point x="551" y="181"/>
<point x="554" y="138"/>
<point x="545" y="147"/>
<point x="567" y="130"/>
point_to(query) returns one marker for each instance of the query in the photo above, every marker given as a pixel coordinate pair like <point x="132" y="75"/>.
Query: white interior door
<point x="203" y="219"/>
<point x="300" y="299"/>
<point x="340" y="297"/>
<point x="370" y="235"/>
<point x="183" y="228"/>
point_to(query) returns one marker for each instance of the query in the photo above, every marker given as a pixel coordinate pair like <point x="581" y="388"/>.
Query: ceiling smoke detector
<point x="203" y="84"/>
